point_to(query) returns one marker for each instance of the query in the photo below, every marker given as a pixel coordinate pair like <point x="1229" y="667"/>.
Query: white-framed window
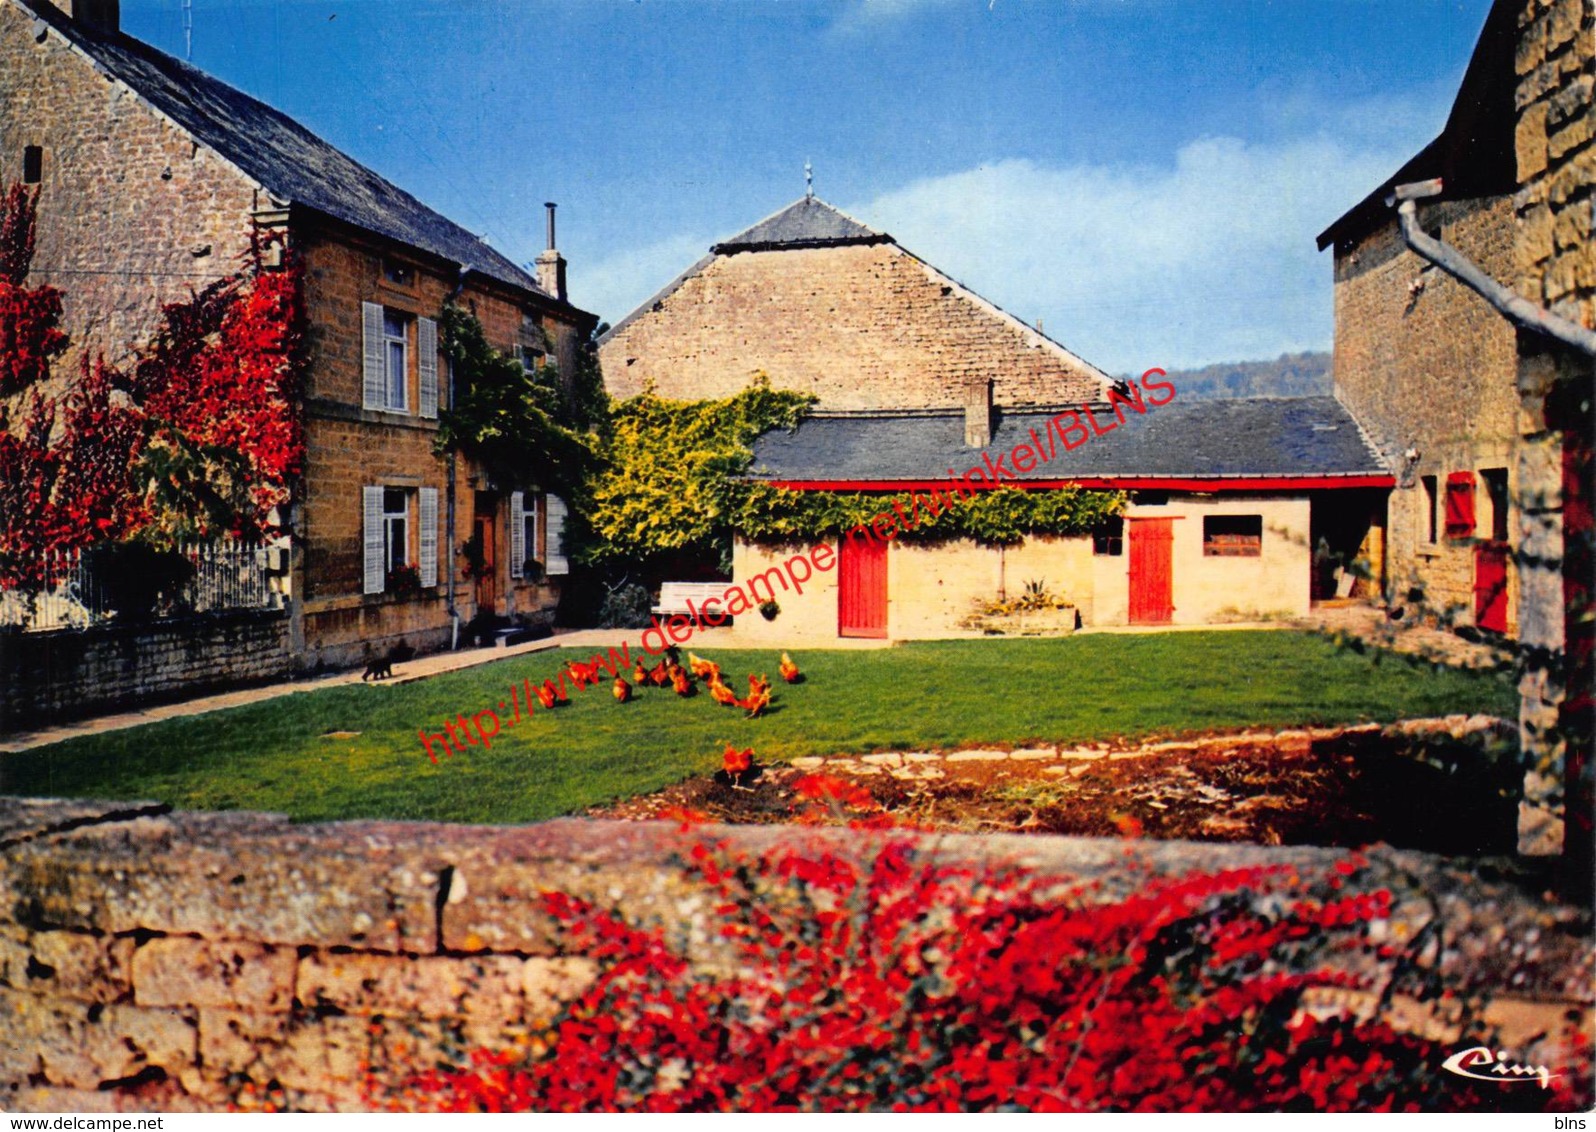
<point x="395" y="528"/>
<point x="396" y="360"/>
<point x="532" y="359"/>
<point x="526" y="542"/>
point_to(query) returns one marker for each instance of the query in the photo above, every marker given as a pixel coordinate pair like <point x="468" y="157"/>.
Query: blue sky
<point x="1146" y="177"/>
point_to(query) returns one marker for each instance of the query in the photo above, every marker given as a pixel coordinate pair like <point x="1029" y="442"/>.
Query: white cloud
<point x="1209" y="259"/>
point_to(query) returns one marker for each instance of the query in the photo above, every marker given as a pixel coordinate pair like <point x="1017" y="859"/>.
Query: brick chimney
<point x="106" y="15"/>
<point x="551" y="264"/>
<point x="977" y="412"/>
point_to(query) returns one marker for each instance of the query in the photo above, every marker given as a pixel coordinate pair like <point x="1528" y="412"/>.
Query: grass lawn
<point x="276" y="755"/>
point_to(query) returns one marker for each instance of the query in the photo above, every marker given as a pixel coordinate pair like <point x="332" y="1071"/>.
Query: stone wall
<point x="159" y="960"/>
<point x="132" y="213"/>
<point x="1556" y="268"/>
<point x="1425" y="363"/>
<point x="860" y="327"/>
<point x="72" y="673"/>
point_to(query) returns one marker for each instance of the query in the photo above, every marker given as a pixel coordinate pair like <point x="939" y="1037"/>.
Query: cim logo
<point x="1480" y="1064"/>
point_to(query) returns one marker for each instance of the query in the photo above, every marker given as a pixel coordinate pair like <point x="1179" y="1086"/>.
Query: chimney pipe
<point x="977" y="412"/>
<point x="551" y="264"/>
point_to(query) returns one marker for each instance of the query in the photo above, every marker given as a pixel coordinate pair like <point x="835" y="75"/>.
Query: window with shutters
<point x="395" y="528"/>
<point x="554" y="533"/>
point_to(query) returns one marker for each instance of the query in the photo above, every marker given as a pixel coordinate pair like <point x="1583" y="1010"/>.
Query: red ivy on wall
<point x="897" y="982"/>
<point x="200" y="436"/>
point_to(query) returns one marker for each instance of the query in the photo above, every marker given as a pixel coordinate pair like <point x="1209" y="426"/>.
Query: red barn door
<point x="861" y="587"/>
<point x="1490" y="586"/>
<point x="1152" y="599"/>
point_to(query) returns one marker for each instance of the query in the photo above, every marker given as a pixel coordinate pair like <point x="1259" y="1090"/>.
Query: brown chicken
<point x="681" y="683"/>
<point x="722" y="694"/>
<point x="756" y="702"/>
<point x="639" y="673"/>
<point x="757" y="684"/>
<point x="789" y="670"/>
<point x="623" y="690"/>
<point x="545" y="693"/>
<point x="703" y="669"/>
<point x="659" y="675"/>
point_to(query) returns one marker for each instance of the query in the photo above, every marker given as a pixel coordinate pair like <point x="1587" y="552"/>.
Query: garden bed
<point x="1443" y="785"/>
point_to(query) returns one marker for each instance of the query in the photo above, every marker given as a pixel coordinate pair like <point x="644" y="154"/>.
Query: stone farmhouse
<point x="915" y="375"/>
<point x="1484" y="416"/>
<point x="153" y="178"/>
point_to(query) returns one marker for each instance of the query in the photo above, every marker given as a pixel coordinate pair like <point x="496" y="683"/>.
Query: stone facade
<point x="860" y="326"/>
<point x="134" y="212"/>
<point x="160" y="961"/>
<point x="1556" y="268"/>
<point x="1427" y="366"/>
<point x="70" y="673"/>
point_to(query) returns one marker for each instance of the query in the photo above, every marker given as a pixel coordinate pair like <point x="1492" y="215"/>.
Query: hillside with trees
<point x="1289" y="375"/>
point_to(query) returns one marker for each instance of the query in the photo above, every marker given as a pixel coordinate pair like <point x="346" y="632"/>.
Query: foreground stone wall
<point x="160" y="960"/>
<point x="73" y="673"/>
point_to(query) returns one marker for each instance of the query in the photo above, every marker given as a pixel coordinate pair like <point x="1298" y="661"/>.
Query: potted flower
<point x="768" y="609"/>
<point x="403" y="581"/>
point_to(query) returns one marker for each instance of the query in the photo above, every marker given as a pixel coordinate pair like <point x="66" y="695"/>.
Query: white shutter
<point x="429" y="536"/>
<point x="556" y="563"/>
<point x="517" y="534"/>
<point x="371" y="498"/>
<point x="375" y="395"/>
<point x="427" y="352"/>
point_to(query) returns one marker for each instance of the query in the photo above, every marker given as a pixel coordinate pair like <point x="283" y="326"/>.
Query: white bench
<point x="674" y="596"/>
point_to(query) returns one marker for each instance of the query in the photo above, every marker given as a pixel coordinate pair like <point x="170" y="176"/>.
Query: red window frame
<point x="1460" y="505"/>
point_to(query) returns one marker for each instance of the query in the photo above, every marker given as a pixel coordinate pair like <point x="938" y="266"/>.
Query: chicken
<point x="757" y="684"/>
<point x="682" y="684"/>
<point x="623" y="690"/>
<point x="757" y="702"/>
<point x="545" y="693"/>
<point x="639" y="673"/>
<point x="735" y="762"/>
<point x="580" y="674"/>
<point x="559" y="691"/>
<point x="704" y="669"/>
<point x="789" y="670"/>
<point x="722" y="694"/>
<point x="659" y="675"/>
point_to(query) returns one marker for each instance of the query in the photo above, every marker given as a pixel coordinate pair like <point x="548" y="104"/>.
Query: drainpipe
<point x="1514" y="307"/>
<point x="454" y="612"/>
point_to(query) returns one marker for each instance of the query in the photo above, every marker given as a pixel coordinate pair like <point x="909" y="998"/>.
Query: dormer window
<point x="399" y="274"/>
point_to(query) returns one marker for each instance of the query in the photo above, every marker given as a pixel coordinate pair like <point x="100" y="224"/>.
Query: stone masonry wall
<point x="72" y="673"/>
<point x="131" y="213"/>
<point x="160" y="960"/>
<point x="348" y="447"/>
<point x="1556" y="267"/>
<point x="1424" y="362"/>
<point x="860" y="327"/>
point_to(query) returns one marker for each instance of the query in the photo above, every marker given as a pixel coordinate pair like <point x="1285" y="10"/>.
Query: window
<point x="1233" y="536"/>
<point x="524" y="543"/>
<point x="397" y="273"/>
<point x="1496" y="491"/>
<point x="1460" y="505"/>
<point x="1109" y="539"/>
<point x="32" y="164"/>
<point x="395" y="528"/>
<point x="1429" y="507"/>
<point x="396" y="343"/>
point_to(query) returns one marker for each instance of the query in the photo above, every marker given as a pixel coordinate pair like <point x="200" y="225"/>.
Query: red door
<point x="861" y="588"/>
<point x="1151" y="590"/>
<point x="1490" y="586"/>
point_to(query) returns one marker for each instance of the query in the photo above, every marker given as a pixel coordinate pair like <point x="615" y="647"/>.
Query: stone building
<point x="153" y="177"/>
<point x="1427" y="366"/>
<point x="915" y="374"/>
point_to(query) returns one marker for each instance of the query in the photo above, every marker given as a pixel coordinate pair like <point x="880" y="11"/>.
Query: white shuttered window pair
<point x="385" y="353"/>
<point x="383" y="529"/>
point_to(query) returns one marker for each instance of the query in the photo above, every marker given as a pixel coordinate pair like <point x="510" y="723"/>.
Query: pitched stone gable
<point x="826" y="306"/>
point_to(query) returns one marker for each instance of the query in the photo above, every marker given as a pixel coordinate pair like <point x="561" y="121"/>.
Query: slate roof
<point x="1246" y="437"/>
<point x="806" y="223"/>
<point x="289" y="161"/>
<point x="1474" y="154"/>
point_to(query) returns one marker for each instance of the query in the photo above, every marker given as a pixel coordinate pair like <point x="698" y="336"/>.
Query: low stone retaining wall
<point x="155" y="960"/>
<point x="71" y="673"/>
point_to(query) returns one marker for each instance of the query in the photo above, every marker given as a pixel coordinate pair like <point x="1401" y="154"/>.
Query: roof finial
<point x="809" y="180"/>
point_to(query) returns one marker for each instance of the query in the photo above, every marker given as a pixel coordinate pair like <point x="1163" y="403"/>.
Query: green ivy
<point x="671" y="482"/>
<point x="520" y="427"/>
